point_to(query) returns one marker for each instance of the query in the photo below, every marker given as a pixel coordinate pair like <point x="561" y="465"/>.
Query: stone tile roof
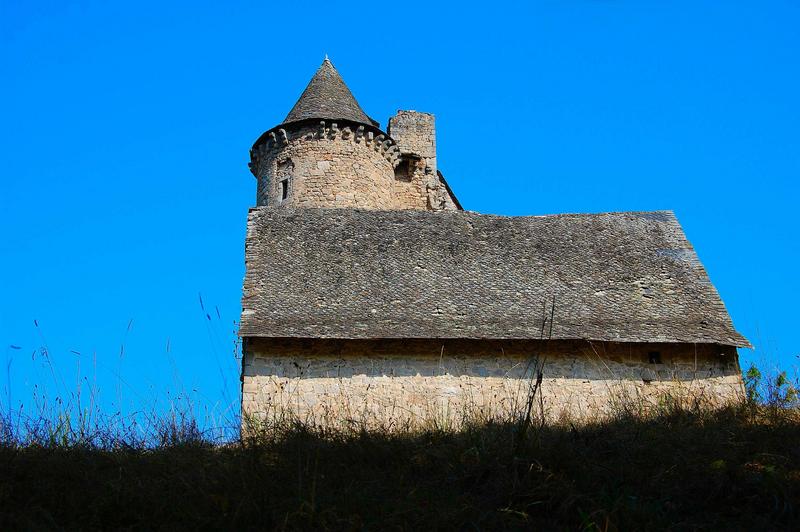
<point x="327" y="98"/>
<point x="342" y="273"/>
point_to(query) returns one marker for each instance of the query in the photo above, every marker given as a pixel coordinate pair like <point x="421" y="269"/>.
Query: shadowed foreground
<point x="732" y="469"/>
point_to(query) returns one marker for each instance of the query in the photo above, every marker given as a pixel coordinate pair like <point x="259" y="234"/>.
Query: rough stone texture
<point x="346" y="273"/>
<point x="328" y="170"/>
<point x="424" y="187"/>
<point x="415" y="134"/>
<point x="393" y="382"/>
<point x="444" y="197"/>
<point x="341" y="164"/>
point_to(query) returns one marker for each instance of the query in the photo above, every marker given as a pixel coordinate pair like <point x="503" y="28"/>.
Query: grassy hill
<point x="736" y="468"/>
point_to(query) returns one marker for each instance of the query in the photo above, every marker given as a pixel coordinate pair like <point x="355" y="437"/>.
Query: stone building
<point x="370" y="295"/>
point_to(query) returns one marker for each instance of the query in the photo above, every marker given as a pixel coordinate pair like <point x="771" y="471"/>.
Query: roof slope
<point x="342" y="273"/>
<point x="327" y="98"/>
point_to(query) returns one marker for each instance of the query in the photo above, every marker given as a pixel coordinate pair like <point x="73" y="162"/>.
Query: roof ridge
<point x="654" y="214"/>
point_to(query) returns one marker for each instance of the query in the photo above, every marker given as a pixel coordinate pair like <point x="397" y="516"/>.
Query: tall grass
<point x="66" y="463"/>
<point x="674" y="468"/>
<point x="69" y="409"/>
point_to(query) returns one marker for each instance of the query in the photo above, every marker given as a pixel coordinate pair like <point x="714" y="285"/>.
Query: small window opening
<point x="283" y="175"/>
<point x="404" y="170"/>
<point x="654" y="357"/>
<point x="284" y="189"/>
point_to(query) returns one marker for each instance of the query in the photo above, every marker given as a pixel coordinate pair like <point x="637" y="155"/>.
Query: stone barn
<point x="370" y="295"/>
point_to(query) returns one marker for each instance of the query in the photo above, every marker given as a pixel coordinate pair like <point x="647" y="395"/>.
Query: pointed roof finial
<point x="327" y="98"/>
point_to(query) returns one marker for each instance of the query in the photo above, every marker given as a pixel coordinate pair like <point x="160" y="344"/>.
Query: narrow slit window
<point x="283" y="176"/>
<point x="284" y="189"/>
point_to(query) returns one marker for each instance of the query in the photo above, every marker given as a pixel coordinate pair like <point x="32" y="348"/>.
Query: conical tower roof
<point x="327" y="98"/>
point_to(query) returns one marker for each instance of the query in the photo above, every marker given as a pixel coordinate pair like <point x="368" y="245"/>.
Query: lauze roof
<point x="327" y="97"/>
<point x="341" y="273"/>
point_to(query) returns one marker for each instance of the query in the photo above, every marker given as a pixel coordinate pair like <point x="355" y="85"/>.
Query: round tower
<point x="326" y="153"/>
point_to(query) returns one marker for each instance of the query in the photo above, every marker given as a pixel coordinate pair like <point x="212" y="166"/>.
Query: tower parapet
<point x="327" y="164"/>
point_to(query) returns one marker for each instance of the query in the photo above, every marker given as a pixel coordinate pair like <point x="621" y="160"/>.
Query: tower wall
<point x="418" y="182"/>
<point x="415" y="178"/>
<point x="415" y="134"/>
<point x="326" y="165"/>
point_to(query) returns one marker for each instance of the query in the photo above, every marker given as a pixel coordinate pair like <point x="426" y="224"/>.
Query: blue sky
<point x="127" y="127"/>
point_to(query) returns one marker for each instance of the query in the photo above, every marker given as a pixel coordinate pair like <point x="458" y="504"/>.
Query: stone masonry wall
<point x="339" y="165"/>
<point x="410" y="190"/>
<point x="394" y="382"/>
<point x="415" y="134"/>
<point x="328" y="167"/>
